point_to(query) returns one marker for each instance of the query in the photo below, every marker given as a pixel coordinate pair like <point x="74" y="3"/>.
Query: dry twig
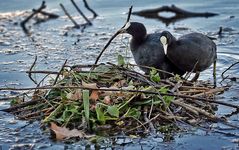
<point x="30" y="70"/>
<point x="111" y="39"/>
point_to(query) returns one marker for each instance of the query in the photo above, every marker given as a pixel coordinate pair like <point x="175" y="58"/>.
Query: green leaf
<point x="54" y="113"/>
<point x="163" y="90"/>
<point x="100" y="115"/>
<point x="133" y="112"/>
<point x="121" y="61"/>
<point x="168" y="99"/>
<point x="113" y="111"/>
<point x="177" y="77"/>
<point x="102" y="68"/>
<point x="154" y="75"/>
<point x="86" y="103"/>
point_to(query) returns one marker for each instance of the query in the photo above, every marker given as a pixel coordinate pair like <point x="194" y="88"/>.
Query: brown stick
<point x="60" y="72"/>
<point x="123" y="90"/>
<point x="29" y="74"/>
<point x="42" y="72"/>
<point x="209" y="92"/>
<point x="129" y="14"/>
<point x="111" y="39"/>
<point x="186" y="106"/>
<point x="76" y="25"/>
<point x="222" y="75"/>
<point x="146" y="119"/>
<point x="50" y="15"/>
<point x="32" y="102"/>
<point x="192" y="91"/>
<point x="195" y="87"/>
<point x="149" y="121"/>
<point x="107" y="44"/>
<point x="163" y="71"/>
<point x="34" y="114"/>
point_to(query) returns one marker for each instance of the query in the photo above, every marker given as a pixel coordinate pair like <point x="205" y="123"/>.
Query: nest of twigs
<point x="115" y="98"/>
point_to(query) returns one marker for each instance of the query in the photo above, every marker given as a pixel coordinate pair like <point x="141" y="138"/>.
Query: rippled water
<point x="17" y="53"/>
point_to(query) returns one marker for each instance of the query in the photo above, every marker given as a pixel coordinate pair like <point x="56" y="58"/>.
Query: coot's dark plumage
<point x="192" y="52"/>
<point x="147" y="49"/>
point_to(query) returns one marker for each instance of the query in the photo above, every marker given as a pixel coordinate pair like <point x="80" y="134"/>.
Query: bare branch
<point x="111" y="39"/>
<point x="76" y="25"/>
<point x="60" y="72"/>
<point x="23" y="23"/>
<point x="30" y="70"/>
<point x="91" y="10"/>
<point x="81" y="13"/>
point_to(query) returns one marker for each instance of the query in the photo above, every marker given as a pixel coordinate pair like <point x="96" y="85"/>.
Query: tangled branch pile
<point x="115" y="98"/>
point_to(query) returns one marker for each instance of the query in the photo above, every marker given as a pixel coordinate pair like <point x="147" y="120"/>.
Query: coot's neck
<point x="138" y="37"/>
<point x="138" y="32"/>
<point x="171" y="39"/>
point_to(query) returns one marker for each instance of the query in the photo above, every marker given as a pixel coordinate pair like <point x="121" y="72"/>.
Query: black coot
<point x="147" y="50"/>
<point x="192" y="52"/>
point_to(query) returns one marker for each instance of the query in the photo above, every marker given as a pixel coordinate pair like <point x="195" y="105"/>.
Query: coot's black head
<point x="166" y="39"/>
<point x="136" y="29"/>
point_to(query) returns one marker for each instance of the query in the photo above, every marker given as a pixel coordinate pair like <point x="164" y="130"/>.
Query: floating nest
<point x="109" y="99"/>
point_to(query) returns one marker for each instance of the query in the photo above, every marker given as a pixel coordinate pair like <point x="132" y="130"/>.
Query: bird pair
<point x="193" y="52"/>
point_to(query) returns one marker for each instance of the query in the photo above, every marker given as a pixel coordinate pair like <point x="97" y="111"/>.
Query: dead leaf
<point x="92" y="107"/>
<point x="107" y="93"/>
<point x="107" y="99"/>
<point x="89" y="85"/>
<point x="38" y="94"/>
<point x="94" y="95"/>
<point x="64" y="133"/>
<point x="75" y="96"/>
<point x="119" y="83"/>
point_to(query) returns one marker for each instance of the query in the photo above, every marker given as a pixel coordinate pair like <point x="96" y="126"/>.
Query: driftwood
<point x="179" y="14"/>
<point x="80" y="12"/>
<point x="90" y="9"/>
<point x="76" y="25"/>
<point x="34" y="13"/>
<point x="54" y="16"/>
<point x="23" y="23"/>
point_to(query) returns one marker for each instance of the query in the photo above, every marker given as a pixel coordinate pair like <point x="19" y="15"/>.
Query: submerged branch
<point x="76" y="25"/>
<point x="90" y="9"/>
<point x="23" y="23"/>
<point x="30" y="71"/>
<point x="80" y="12"/>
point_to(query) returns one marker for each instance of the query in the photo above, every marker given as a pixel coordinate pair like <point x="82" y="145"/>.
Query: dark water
<point x="17" y="54"/>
